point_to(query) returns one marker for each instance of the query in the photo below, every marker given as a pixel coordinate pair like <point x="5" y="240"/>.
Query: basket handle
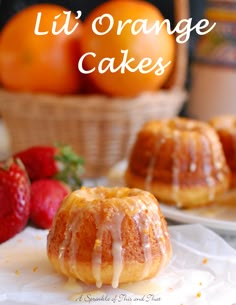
<point x="181" y="11"/>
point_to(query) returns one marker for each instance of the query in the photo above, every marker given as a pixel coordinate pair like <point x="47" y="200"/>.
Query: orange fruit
<point x="40" y="63"/>
<point x="139" y="46"/>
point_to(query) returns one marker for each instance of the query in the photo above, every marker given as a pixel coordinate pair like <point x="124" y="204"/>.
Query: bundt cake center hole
<point x="103" y="194"/>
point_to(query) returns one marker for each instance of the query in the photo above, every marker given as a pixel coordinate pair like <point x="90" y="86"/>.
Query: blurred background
<point x="211" y="59"/>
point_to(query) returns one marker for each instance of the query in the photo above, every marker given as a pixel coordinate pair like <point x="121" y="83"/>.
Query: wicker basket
<point x="98" y="128"/>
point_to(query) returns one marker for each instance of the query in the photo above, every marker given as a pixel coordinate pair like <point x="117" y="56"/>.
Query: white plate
<point x="220" y="216"/>
<point x="217" y="224"/>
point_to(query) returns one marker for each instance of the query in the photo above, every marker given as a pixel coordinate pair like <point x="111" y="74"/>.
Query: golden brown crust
<point x="180" y="161"/>
<point x="188" y="197"/>
<point x="225" y="126"/>
<point x="100" y="232"/>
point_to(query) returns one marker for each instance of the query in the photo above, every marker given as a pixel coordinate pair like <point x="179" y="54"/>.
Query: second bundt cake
<point x="180" y="161"/>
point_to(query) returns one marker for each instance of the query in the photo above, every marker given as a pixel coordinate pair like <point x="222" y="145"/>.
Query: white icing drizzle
<point x="153" y="222"/>
<point x="68" y="242"/>
<point x="176" y="168"/>
<point x="193" y="156"/>
<point x="72" y="245"/>
<point x="207" y="167"/>
<point x="193" y="167"/>
<point x="143" y="227"/>
<point x="112" y="225"/>
<point x="161" y="237"/>
<point x="151" y="165"/>
<point x="63" y="246"/>
<point x="97" y="253"/>
<point x="115" y="229"/>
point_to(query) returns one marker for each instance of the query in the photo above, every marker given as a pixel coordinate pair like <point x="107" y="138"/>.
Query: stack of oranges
<point x="48" y="61"/>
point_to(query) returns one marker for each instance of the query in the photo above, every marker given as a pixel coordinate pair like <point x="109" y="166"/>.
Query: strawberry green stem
<point x="71" y="166"/>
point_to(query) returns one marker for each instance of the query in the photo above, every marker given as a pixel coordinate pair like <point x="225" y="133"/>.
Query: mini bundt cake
<point x="109" y="236"/>
<point x="180" y="161"/>
<point x="225" y="126"/>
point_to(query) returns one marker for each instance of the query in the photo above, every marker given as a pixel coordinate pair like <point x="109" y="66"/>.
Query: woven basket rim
<point x="91" y="108"/>
<point x="76" y="100"/>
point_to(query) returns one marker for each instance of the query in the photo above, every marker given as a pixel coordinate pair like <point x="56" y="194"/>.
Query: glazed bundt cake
<point x="180" y="161"/>
<point x="225" y="126"/>
<point x="109" y="236"/>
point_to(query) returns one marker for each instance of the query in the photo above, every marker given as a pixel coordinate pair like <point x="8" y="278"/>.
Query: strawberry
<point x="58" y="162"/>
<point x="14" y="199"/>
<point x="39" y="161"/>
<point x="46" y="198"/>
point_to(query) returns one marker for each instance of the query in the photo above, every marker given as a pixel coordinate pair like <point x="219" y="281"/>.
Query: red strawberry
<point x="46" y="198"/>
<point x="39" y="161"/>
<point x="59" y="162"/>
<point x="14" y="199"/>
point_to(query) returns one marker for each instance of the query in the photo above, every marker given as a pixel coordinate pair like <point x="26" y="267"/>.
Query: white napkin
<point x="202" y="272"/>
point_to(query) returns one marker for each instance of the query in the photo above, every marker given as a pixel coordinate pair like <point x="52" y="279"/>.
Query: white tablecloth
<point x="202" y="272"/>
